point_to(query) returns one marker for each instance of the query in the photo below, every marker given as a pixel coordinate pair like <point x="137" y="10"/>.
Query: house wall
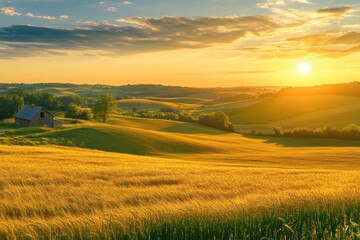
<point x="22" y="122"/>
<point x="47" y="121"/>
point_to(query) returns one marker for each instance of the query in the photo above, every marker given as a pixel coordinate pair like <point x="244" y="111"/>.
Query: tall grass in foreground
<point x="68" y="193"/>
<point x="302" y="222"/>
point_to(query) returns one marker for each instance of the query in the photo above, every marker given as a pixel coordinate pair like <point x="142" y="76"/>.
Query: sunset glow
<point x="217" y="43"/>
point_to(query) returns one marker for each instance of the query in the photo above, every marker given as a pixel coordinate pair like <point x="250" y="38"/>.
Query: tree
<point x="10" y="105"/>
<point x="104" y="106"/>
<point x="73" y="111"/>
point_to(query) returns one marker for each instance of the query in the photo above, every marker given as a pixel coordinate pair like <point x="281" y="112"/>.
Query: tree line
<point x="350" y="132"/>
<point x="100" y="109"/>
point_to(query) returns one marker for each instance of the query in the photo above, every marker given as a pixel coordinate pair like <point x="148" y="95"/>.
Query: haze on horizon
<point x="202" y="43"/>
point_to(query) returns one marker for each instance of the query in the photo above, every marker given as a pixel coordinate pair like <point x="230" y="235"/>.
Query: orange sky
<point x="263" y="47"/>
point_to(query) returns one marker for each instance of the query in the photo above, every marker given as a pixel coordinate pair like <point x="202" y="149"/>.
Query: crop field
<point x="75" y="193"/>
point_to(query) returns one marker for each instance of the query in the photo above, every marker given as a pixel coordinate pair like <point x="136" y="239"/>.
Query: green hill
<point x="293" y="111"/>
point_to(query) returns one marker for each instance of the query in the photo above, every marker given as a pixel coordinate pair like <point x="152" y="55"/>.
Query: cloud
<point x="141" y="35"/>
<point x="111" y="9"/>
<point x="39" y="16"/>
<point x="271" y="3"/>
<point x="10" y="11"/>
<point x="335" y="11"/>
<point x="127" y="3"/>
<point x="331" y="44"/>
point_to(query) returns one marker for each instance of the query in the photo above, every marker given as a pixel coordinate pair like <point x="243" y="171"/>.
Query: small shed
<point x="32" y="116"/>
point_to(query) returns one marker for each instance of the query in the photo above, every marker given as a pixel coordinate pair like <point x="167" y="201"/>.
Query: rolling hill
<point x="293" y="111"/>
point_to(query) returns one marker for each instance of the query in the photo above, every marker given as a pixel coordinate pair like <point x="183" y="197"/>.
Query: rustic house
<point x="31" y="115"/>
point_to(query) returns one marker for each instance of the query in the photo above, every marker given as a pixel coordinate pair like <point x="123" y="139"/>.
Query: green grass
<point x="303" y="222"/>
<point x="321" y="222"/>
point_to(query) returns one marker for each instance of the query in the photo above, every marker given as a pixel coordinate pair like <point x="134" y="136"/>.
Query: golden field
<point x="49" y="190"/>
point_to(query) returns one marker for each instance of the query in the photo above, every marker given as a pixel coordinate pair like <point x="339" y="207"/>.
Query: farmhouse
<point x="31" y="116"/>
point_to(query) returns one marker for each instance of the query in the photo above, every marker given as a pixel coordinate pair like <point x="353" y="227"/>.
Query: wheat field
<point x="61" y="192"/>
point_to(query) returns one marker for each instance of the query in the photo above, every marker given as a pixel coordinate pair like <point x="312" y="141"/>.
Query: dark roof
<point x="28" y="112"/>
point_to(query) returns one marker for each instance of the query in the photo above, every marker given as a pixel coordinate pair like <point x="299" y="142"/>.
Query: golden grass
<point x="66" y="188"/>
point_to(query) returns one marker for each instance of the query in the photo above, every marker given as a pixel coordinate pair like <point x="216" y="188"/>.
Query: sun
<point x="304" y="68"/>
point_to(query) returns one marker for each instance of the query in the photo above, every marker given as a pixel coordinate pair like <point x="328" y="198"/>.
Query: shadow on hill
<point x="112" y="139"/>
<point x="308" y="142"/>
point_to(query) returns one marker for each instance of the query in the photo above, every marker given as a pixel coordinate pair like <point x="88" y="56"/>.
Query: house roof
<point x="28" y="112"/>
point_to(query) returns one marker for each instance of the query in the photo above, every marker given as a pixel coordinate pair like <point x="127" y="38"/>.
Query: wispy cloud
<point x="11" y="11"/>
<point x="335" y="11"/>
<point x="272" y="3"/>
<point x="111" y="9"/>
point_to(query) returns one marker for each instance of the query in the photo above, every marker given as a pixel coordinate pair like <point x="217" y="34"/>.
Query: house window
<point x="42" y="115"/>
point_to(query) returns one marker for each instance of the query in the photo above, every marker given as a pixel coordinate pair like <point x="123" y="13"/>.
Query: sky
<point x="202" y="43"/>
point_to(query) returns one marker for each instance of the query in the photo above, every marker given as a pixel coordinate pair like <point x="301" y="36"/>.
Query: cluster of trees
<point x="350" y="132"/>
<point x="10" y="105"/>
<point x="75" y="111"/>
<point x="100" y="109"/>
<point x="217" y="120"/>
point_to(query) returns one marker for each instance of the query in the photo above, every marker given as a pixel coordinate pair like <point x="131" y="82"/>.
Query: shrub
<point x="75" y="111"/>
<point x="216" y="120"/>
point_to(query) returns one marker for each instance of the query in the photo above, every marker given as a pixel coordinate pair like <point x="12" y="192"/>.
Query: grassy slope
<point x="180" y="100"/>
<point x="110" y="138"/>
<point x="291" y="112"/>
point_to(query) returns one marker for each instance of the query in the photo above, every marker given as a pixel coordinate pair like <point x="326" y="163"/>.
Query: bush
<point x="216" y="120"/>
<point x="75" y="111"/>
